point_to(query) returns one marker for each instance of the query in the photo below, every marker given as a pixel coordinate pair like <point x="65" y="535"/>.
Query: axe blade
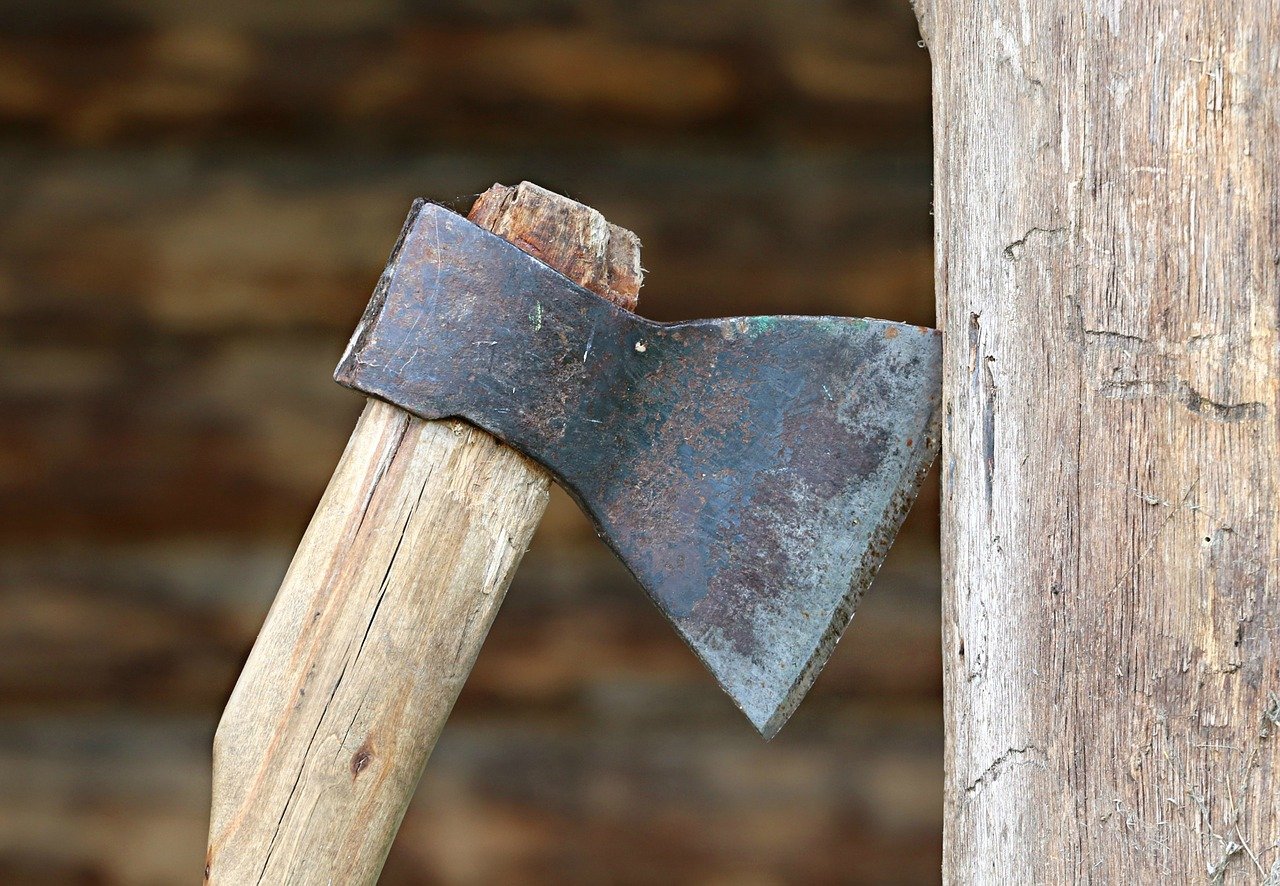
<point x="750" y="472"/>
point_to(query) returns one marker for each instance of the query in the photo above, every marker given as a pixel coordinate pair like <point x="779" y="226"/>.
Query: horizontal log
<point x="849" y="26"/>
<point x="382" y="76"/>
<point x="111" y="800"/>
<point x="235" y="439"/>
<point x="165" y="626"/>
<point x="120" y="245"/>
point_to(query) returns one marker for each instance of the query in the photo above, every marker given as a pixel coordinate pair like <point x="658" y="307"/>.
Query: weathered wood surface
<point x="384" y="609"/>
<point x="1107" y="244"/>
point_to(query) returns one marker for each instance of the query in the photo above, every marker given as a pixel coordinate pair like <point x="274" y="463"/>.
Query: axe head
<point x="750" y="472"/>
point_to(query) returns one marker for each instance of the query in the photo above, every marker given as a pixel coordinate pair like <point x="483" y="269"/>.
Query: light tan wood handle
<point x="366" y="648"/>
<point x="384" y="608"/>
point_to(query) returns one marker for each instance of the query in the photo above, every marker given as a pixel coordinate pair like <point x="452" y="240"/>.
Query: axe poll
<point x="750" y="472"/>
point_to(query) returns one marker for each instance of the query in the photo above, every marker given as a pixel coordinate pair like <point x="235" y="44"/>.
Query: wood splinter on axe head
<point x="416" y="537"/>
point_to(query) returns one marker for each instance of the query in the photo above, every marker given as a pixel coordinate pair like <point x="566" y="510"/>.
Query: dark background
<point x="195" y="201"/>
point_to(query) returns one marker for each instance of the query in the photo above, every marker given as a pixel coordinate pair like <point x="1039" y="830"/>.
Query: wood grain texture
<point x="1107" y="251"/>
<point x="384" y="608"/>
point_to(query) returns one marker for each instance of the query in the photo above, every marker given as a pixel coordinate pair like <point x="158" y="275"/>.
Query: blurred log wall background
<point x="195" y="202"/>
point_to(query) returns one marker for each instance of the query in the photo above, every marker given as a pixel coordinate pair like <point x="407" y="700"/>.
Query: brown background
<point x="195" y="202"/>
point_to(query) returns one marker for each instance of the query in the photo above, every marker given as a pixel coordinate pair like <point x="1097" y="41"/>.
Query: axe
<point x="750" y="472"/>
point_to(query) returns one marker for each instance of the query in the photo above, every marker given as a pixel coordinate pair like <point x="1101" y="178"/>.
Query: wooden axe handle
<point x="383" y="610"/>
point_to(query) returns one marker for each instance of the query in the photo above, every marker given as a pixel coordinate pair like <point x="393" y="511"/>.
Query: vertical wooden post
<point x="1107" y="205"/>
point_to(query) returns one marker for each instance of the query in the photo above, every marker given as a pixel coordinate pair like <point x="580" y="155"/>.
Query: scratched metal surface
<point x="751" y="472"/>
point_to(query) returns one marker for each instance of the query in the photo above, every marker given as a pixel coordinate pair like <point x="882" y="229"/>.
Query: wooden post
<point x="384" y="608"/>
<point x="1107" y="208"/>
